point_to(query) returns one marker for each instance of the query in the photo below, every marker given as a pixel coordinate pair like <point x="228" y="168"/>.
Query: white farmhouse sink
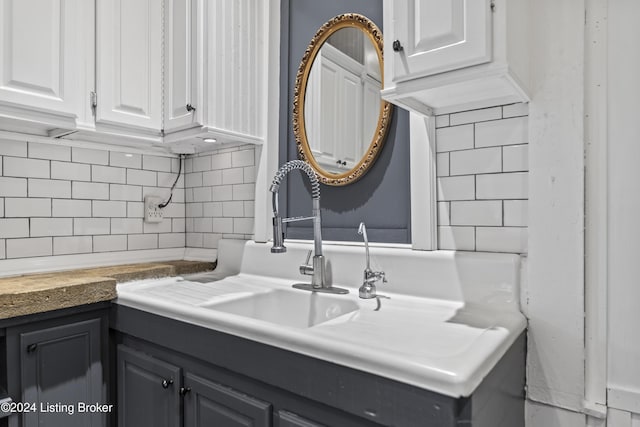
<point x="297" y="309"/>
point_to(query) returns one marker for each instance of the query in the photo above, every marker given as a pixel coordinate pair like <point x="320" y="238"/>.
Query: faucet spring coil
<point x="297" y="164"/>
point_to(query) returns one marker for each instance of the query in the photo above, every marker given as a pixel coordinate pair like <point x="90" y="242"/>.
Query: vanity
<point x="441" y="348"/>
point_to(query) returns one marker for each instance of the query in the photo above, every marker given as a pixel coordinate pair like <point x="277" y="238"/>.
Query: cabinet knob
<point x="397" y="46"/>
<point x="190" y="108"/>
<point x="31" y="348"/>
<point x="167" y="383"/>
<point x="184" y="390"/>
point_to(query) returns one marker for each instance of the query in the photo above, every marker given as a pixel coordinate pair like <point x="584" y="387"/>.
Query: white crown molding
<point x="14" y="267"/>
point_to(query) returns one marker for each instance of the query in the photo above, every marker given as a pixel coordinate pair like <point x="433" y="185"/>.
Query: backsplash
<point x="61" y="200"/>
<point x="482" y="168"/>
<point x="220" y="195"/>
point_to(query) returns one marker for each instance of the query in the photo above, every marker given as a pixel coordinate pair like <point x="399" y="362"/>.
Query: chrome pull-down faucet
<point x="370" y="277"/>
<point x="317" y="269"/>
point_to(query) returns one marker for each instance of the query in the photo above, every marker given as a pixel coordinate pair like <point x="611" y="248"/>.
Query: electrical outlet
<point x="153" y="213"/>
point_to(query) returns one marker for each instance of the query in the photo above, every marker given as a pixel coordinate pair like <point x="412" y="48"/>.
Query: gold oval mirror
<point x="339" y="120"/>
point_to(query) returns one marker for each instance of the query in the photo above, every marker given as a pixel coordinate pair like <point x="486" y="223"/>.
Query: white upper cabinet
<point x="46" y="60"/>
<point x="450" y="55"/>
<point x="129" y="63"/>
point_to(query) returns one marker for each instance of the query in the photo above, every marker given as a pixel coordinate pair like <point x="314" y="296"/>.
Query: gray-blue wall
<point x="381" y="197"/>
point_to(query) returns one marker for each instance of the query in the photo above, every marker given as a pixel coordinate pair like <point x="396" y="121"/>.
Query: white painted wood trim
<point x="624" y="400"/>
<point x="267" y="154"/>
<point x="617" y="418"/>
<point x="13" y="267"/>
<point x="596" y="205"/>
<point x="424" y="231"/>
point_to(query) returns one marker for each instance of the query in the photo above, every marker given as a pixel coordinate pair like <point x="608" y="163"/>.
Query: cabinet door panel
<point x="129" y="80"/>
<point x="211" y="404"/>
<point x="41" y="54"/>
<point x="440" y="35"/>
<point x="143" y="399"/>
<point x="288" y="419"/>
<point x="62" y="365"/>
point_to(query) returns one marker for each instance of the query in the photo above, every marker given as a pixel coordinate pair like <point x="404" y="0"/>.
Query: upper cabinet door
<point x="129" y="63"/>
<point x="43" y="57"/>
<point x="180" y="107"/>
<point x="436" y="36"/>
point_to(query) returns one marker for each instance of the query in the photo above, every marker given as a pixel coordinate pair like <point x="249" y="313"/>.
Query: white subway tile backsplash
<point x="202" y="194"/>
<point x="233" y="176"/>
<point x="1" y="207"/>
<point x="131" y="193"/>
<point x="243" y="225"/>
<point x="13" y="148"/>
<point x="23" y="207"/>
<point x="156" y="163"/>
<point x="514" y="185"/>
<point x="171" y="240"/>
<point x="41" y="227"/>
<point x="456" y="238"/>
<point x="220" y="161"/>
<point x="89" y="155"/>
<point x="454" y="138"/>
<point x="456" y="188"/>
<point x="178" y="225"/>
<point x="71" y="208"/>
<point x="109" y="243"/>
<point x="109" y="209"/>
<point x="442" y="164"/>
<point x="135" y="209"/>
<point x="242" y="158"/>
<point x="222" y="225"/>
<point x="194" y="240"/>
<point x="141" y="177"/>
<point x="502" y="132"/>
<point x="244" y="192"/>
<point x="515" y="158"/>
<point x="501" y="239"/>
<point x="193" y="179"/>
<point x="49" y="151"/>
<point x="477" y="212"/>
<point x="203" y="225"/>
<point x="202" y="163"/>
<point x="125" y="160"/>
<point x="469" y="162"/>
<point x="221" y="193"/>
<point x="90" y="190"/>
<point x="108" y="174"/>
<point x="212" y="178"/>
<point x="166" y="179"/>
<point x="213" y="209"/>
<point x="14" y="227"/>
<point x="90" y="226"/>
<point x="442" y="121"/>
<point x="49" y="188"/>
<point x="72" y="245"/>
<point x="473" y="116"/>
<point x="158" y="227"/>
<point x="516" y="213"/>
<point x="515" y="110"/>
<point x="26" y="248"/>
<point x="194" y="210"/>
<point x="126" y="225"/>
<point x="249" y="208"/>
<point x="444" y="209"/>
<point x="3" y="254"/>
<point x="27" y="168"/>
<point x="142" y="241"/>
<point x="70" y="171"/>
<point x="210" y="240"/>
<point x="249" y="174"/>
<point x="233" y="209"/>
<point x="13" y="187"/>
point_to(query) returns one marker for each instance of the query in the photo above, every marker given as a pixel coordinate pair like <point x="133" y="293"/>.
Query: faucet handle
<point x="306" y="268"/>
<point x="308" y="258"/>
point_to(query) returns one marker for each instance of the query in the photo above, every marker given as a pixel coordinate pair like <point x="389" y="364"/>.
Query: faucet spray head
<point x="278" y="236"/>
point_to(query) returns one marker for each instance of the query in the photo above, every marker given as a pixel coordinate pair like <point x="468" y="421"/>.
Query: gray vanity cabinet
<point x="210" y="404"/>
<point x="289" y="419"/>
<point x="148" y="390"/>
<point x="56" y="366"/>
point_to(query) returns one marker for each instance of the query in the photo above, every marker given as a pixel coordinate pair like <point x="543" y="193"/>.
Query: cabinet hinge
<point x="93" y="100"/>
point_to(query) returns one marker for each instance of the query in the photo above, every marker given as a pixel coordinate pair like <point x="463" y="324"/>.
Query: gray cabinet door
<point x="289" y="419"/>
<point x="210" y="404"/>
<point x="148" y="390"/>
<point x="61" y="368"/>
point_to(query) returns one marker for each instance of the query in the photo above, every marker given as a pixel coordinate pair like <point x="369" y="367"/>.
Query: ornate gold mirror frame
<point x="349" y="20"/>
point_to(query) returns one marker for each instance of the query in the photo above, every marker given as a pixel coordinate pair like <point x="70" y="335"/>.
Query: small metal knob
<point x="190" y="108"/>
<point x="167" y="383"/>
<point x="397" y="46"/>
<point x="184" y="390"/>
<point x="31" y="348"/>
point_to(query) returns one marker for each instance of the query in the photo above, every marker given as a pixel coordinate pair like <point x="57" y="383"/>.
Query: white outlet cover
<point x="152" y="213"/>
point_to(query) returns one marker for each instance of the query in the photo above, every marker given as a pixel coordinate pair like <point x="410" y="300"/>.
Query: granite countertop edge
<point x="41" y="292"/>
